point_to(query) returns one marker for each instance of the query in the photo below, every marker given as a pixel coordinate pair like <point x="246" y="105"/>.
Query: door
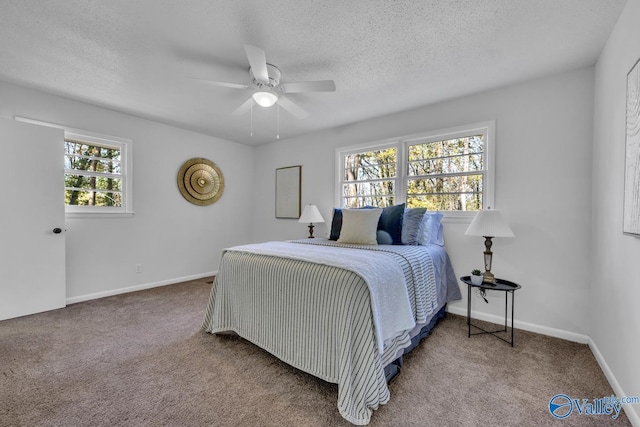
<point x="32" y="239"/>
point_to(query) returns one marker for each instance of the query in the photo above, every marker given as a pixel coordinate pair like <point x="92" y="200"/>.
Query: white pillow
<point x="359" y="226"/>
<point x="430" y="231"/>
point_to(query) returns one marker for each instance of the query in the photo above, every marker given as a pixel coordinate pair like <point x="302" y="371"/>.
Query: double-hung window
<point x="449" y="170"/>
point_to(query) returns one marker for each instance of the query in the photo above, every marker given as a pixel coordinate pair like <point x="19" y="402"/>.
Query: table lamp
<point x="489" y="224"/>
<point x="311" y="214"/>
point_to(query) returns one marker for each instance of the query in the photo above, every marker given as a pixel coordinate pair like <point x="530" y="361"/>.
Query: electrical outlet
<point x="138" y="268"/>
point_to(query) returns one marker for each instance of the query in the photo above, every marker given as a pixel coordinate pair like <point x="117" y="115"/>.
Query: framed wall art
<point x="631" y="210"/>
<point x="288" y="192"/>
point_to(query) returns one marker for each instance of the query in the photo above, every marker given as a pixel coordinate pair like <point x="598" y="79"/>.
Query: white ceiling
<point x="385" y="56"/>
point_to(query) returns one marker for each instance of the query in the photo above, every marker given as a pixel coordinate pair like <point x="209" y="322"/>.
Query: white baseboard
<point x="141" y="287"/>
<point x="630" y="410"/>
<point x="531" y="327"/>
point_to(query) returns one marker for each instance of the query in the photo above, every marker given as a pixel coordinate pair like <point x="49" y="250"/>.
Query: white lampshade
<point x="489" y="223"/>
<point x="265" y="99"/>
<point x="311" y="214"/>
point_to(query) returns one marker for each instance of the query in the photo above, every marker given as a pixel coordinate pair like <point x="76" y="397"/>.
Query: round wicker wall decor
<point x="200" y="181"/>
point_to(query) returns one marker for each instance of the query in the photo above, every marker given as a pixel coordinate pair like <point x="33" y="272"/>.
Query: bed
<point x="344" y="312"/>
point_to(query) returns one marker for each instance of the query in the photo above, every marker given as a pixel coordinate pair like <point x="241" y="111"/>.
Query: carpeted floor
<point x="141" y="359"/>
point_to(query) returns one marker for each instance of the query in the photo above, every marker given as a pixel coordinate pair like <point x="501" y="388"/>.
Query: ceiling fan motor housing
<point x="274" y="78"/>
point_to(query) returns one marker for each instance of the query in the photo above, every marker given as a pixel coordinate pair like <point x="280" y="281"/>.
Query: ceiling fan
<point x="267" y="86"/>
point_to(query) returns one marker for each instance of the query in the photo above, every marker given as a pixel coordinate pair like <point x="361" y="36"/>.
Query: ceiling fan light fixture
<point x="265" y="99"/>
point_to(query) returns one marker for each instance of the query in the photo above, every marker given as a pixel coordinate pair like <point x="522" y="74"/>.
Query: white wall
<point x="615" y="293"/>
<point x="543" y="167"/>
<point x="172" y="238"/>
<point x="543" y="188"/>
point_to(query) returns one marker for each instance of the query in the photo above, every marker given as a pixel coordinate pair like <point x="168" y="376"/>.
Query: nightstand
<point x="501" y="285"/>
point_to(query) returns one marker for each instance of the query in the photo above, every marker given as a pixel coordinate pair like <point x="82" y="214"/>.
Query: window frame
<point x="487" y="128"/>
<point x="125" y="146"/>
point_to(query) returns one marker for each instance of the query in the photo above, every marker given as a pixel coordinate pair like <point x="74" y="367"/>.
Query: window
<point x="449" y="171"/>
<point x="92" y="173"/>
<point x="446" y="175"/>
<point x="369" y="177"/>
<point x="97" y="172"/>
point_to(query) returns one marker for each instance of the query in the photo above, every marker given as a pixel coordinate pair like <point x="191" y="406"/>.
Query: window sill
<point x="79" y="215"/>
<point x="458" y="217"/>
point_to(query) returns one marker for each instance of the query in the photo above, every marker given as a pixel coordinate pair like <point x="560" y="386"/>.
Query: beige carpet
<point x="141" y="359"/>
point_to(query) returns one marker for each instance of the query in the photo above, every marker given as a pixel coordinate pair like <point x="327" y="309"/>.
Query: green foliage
<point x="92" y="175"/>
<point x="446" y="175"/>
<point x="372" y="171"/>
<point x="443" y="175"/>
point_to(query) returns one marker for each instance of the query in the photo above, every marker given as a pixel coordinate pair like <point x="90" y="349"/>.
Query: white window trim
<point x="488" y="180"/>
<point x="125" y="145"/>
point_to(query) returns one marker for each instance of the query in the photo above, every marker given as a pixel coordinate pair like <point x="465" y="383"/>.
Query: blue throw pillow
<point x="391" y="222"/>
<point x="383" y="238"/>
<point x="411" y="225"/>
<point x="336" y="224"/>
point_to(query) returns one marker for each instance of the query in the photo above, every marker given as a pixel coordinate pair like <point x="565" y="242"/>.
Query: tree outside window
<point x="447" y="170"/>
<point x="446" y="175"/>
<point x="93" y="175"/>
<point x="369" y="178"/>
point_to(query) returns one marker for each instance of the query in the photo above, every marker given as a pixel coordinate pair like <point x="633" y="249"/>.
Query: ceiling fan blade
<point x="258" y="63"/>
<point x="317" y="86"/>
<point x="222" y="84"/>
<point x="293" y="108"/>
<point x="244" y="107"/>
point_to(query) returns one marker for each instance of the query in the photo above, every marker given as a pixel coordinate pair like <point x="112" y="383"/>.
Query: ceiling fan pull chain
<point x="278" y="122"/>
<point x="251" y="118"/>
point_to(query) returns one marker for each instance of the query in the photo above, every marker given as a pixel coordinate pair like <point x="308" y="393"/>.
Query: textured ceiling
<point x="140" y="57"/>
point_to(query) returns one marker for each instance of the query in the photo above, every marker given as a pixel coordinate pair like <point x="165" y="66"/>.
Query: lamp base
<point x="310" y="231"/>
<point x="488" y="277"/>
<point x="488" y="258"/>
